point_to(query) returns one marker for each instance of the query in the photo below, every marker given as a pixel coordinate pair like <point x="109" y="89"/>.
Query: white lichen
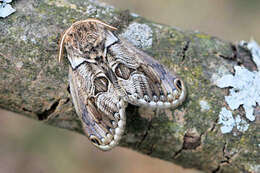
<point x="255" y="51"/>
<point x="221" y="71"/>
<point x="5" y="8"/>
<point x="97" y="9"/>
<point x="139" y="34"/>
<point x="226" y="120"/>
<point x="241" y="124"/>
<point x="134" y="15"/>
<point x="24" y="37"/>
<point x="62" y="3"/>
<point x="91" y="9"/>
<point x="255" y="168"/>
<point x="244" y="91"/>
<point x="245" y="85"/>
<point x="101" y="4"/>
<point x="19" y="65"/>
<point x="204" y="105"/>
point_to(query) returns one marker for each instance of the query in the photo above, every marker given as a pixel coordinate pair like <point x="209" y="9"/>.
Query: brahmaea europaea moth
<point x="106" y="73"/>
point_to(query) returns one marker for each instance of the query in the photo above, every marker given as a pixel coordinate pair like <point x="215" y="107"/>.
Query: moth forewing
<point x="147" y="82"/>
<point x="106" y="73"/>
<point x="102" y="113"/>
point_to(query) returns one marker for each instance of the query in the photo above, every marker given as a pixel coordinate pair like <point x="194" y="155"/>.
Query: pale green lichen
<point x="245" y="89"/>
<point x="139" y="35"/>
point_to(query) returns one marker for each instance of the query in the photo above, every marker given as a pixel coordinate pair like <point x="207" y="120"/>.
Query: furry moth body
<point x="106" y="73"/>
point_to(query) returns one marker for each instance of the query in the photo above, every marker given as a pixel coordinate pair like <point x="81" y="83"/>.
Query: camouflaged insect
<point x="106" y="73"/>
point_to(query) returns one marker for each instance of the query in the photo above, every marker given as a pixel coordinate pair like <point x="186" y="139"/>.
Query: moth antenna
<point x="61" y="44"/>
<point x="97" y="21"/>
<point x="61" y="47"/>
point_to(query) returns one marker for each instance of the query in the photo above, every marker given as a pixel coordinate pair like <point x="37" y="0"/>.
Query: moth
<point x="106" y="73"/>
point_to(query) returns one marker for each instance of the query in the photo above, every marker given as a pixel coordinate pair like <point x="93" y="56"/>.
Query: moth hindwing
<point x="107" y="72"/>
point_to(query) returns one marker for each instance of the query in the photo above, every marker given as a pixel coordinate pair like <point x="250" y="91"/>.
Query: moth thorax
<point x="83" y="37"/>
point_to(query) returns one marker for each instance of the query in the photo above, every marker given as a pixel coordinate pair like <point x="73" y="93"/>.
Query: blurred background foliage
<point x="28" y="146"/>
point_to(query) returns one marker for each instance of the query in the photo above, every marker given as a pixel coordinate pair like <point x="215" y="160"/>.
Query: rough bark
<point x="34" y="84"/>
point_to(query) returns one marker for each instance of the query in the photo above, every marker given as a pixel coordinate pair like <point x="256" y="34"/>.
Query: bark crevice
<point x="44" y="115"/>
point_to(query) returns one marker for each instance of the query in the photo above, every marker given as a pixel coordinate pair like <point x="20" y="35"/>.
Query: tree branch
<point x="34" y="84"/>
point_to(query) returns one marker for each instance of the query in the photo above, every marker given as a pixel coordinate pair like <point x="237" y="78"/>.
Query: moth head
<point x="86" y="37"/>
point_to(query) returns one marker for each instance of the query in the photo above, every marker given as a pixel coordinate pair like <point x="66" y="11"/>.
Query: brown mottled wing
<point x="145" y="81"/>
<point x="101" y="111"/>
<point x="105" y="73"/>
